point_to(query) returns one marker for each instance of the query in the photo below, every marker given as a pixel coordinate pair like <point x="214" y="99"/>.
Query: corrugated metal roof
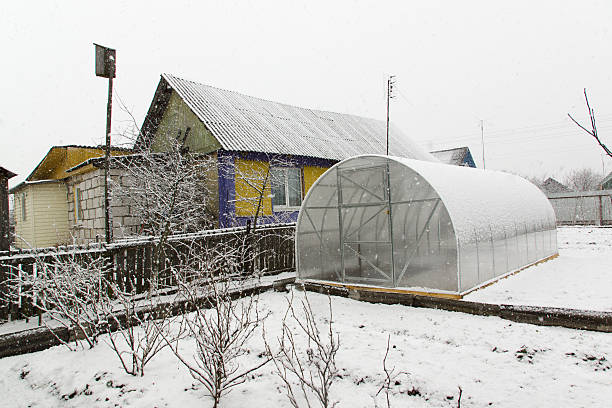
<point x="245" y="123"/>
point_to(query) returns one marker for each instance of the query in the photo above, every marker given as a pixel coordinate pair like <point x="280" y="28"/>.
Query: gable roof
<point x="7" y="174"/>
<point x="459" y="156"/>
<point x="550" y="185"/>
<point x="60" y="158"/>
<point x="245" y="123"/>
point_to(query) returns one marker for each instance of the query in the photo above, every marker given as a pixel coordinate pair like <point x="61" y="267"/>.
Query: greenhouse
<point x="420" y="226"/>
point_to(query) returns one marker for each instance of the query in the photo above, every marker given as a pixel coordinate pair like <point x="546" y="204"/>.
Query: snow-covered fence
<point x="130" y="263"/>
<point x="582" y="207"/>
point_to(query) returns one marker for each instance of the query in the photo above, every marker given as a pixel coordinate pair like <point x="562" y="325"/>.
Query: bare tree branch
<point x="593" y="131"/>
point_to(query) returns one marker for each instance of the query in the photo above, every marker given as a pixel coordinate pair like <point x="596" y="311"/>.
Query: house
<point x="460" y="156"/>
<point x="248" y="135"/>
<point x="550" y="185"/>
<point x="606" y="183"/>
<point x="45" y="200"/>
<point x="5" y="241"/>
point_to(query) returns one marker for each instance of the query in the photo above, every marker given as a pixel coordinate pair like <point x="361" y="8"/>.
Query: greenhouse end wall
<point x="393" y="222"/>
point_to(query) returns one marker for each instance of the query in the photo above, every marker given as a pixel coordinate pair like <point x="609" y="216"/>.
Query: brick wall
<point x="89" y="225"/>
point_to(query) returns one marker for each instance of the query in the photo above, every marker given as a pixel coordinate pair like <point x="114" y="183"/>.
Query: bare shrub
<point x="391" y="376"/>
<point x="68" y="289"/>
<point x="310" y="371"/>
<point x="137" y="327"/>
<point x="224" y="319"/>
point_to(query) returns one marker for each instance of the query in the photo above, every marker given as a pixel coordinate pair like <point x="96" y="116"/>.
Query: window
<point x="23" y="207"/>
<point x="286" y="188"/>
<point x="78" y="207"/>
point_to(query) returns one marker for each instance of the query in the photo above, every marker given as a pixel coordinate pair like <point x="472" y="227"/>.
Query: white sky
<point x="520" y="66"/>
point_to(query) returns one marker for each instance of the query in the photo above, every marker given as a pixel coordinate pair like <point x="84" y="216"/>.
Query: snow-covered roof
<point x="480" y="200"/>
<point x="458" y="156"/>
<point x="245" y="123"/>
<point x="550" y="185"/>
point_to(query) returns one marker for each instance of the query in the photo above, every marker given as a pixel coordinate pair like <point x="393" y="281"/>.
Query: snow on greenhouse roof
<point x="245" y="123"/>
<point x="480" y="200"/>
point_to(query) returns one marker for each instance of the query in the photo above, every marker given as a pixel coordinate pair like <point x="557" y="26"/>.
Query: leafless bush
<point x="391" y="376"/>
<point x="309" y="372"/>
<point x="221" y="324"/>
<point x="137" y="327"/>
<point x="68" y="288"/>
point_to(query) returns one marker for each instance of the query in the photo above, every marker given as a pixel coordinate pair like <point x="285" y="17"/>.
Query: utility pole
<point x="105" y="67"/>
<point x="390" y="83"/>
<point x="482" y="140"/>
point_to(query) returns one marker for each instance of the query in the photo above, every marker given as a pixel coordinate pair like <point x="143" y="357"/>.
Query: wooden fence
<point x="131" y="263"/>
<point x="582" y="207"/>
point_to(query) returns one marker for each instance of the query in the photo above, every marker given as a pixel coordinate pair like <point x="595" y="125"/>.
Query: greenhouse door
<point x="365" y="228"/>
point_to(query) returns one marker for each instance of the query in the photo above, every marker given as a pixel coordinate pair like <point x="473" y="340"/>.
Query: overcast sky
<point x="519" y="66"/>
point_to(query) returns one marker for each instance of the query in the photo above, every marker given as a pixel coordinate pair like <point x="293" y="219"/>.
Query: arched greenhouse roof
<point x="397" y="222"/>
<point x="478" y="200"/>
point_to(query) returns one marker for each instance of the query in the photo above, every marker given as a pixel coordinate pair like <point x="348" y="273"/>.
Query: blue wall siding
<point x="468" y="160"/>
<point x="227" y="186"/>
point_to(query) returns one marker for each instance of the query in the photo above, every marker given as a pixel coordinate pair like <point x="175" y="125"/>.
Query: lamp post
<point x="105" y="67"/>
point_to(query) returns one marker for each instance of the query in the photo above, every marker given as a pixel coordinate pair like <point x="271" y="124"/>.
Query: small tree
<point x="169" y="193"/>
<point x="583" y="180"/>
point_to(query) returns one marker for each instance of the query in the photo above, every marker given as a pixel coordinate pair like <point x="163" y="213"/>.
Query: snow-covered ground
<point x="580" y="278"/>
<point x="496" y="362"/>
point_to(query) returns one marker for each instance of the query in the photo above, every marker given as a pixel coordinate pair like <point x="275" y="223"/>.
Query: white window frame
<point x="24" y="210"/>
<point x="78" y="207"/>
<point x="286" y="207"/>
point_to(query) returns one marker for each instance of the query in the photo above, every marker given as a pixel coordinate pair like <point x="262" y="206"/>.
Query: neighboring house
<point x="5" y="241"/>
<point x="606" y="183"/>
<point x="460" y="156"/>
<point x="550" y="185"/>
<point x="246" y="134"/>
<point x="45" y="201"/>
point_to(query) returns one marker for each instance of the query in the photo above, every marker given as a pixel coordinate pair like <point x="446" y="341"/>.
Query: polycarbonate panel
<point x="427" y="256"/>
<point x="326" y="192"/>
<point x="368" y="263"/>
<point x="500" y="256"/>
<point x="485" y="259"/>
<point x="468" y="257"/>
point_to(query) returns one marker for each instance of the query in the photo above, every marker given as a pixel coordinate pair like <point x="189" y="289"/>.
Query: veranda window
<point x="78" y="206"/>
<point x="286" y="188"/>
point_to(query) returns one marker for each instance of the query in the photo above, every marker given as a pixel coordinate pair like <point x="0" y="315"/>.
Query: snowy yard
<point x="580" y="278"/>
<point x="496" y="362"/>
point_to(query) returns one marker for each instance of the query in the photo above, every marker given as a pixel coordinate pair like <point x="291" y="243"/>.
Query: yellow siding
<point x="46" y="221"/>
<point x="311" y="174"/>
<point x="24" y="231"/>
<point x="178" y="116"/>
<point x="250" y="176"/>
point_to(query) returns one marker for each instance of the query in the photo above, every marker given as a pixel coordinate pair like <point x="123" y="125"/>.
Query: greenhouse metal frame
<point x="421" y="226"/>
